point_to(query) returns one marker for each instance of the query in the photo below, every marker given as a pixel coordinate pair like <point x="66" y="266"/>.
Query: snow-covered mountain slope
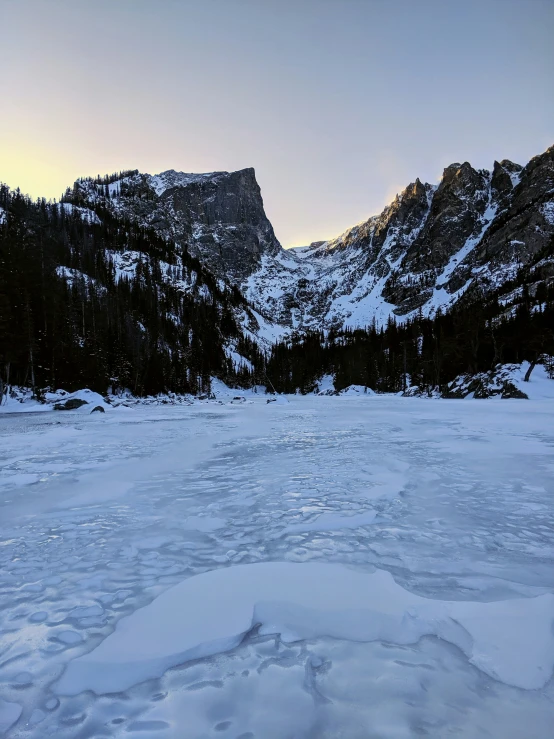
<point x="428" y="248"/>
<point x="423" y="252"/>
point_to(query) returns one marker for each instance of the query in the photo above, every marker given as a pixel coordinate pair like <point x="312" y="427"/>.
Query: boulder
<point x="70" y="405"/>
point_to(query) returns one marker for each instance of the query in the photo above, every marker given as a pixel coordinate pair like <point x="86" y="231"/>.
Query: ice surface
<point x="441" y="510"/>
<point x="9" y="713"/>
<point x="510" y="640"/>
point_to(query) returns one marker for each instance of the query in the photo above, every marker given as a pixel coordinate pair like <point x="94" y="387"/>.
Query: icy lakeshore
<point x="355" y="567"/>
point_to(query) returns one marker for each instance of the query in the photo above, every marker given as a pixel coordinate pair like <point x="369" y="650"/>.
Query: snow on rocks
<point x="278" y="399"/>
<point x="356" y="390"/>
<point x="82" y="400"/>
<point x="21" y="400"/>
<point x="505" y="381"/>
<point x="326" y="386"/>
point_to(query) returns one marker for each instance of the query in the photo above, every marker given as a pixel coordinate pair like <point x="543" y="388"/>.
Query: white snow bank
<point x="539" y="387"/>
<point x="221" y="390"/>
<point x="21" y="401"/>
<point x="326" y="385"/>
<point x="511" y="640"/>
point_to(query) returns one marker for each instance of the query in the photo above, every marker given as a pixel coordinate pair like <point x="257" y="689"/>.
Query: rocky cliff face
<point x="219" y="216"/>
<point x="428" y="248"/>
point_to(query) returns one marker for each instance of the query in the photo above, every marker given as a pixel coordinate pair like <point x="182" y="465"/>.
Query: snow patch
<point x="548" y="212"/>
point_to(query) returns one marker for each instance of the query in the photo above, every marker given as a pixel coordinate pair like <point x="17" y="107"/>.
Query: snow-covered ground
<point x="355" y="566"/>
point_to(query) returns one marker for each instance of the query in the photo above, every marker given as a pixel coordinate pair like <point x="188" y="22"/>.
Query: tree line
<point x="473" y="336"/>
<point x="71" y="317"/>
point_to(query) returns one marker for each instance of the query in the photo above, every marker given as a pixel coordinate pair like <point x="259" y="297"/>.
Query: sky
<point x="337" y="104"/>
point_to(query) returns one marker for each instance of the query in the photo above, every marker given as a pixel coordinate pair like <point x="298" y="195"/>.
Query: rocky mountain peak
<point x="222" y="219"/>
<point x="505" y="175"/>
<point x="218" y="216"/>
<point x="524" y="226"/>
<point x="510" y="166"/>
<point x="415" y="190"/>
<point x="461" y="177"/>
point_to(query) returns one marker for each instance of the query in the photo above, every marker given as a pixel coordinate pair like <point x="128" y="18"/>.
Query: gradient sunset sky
<point x="338" y="104"/>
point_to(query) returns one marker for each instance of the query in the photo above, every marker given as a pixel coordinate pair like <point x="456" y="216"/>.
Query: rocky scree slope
<point x="432" y="246"/>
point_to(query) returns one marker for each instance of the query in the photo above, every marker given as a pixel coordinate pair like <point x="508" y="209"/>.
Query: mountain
<point x="90" y="298"/>
<point x="218" y="216"/>
<point x="160" y="282"/>
<point x="428" y="248"/>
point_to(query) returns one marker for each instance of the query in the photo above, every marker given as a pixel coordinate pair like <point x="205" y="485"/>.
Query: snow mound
<point x="92" y="400"/>
<point x="278" y="399"/>
<point x="510" y="640"/>
<point x="356" y="390"/>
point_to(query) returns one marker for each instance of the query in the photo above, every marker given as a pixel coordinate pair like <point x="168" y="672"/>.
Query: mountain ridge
<point x="161" y="282"/>
<point x="425" y="250"/>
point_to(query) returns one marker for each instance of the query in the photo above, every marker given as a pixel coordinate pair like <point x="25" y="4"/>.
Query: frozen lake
<point x="344" y="567"/>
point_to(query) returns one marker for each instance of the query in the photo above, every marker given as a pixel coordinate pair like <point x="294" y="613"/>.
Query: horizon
<point x="337" y="105"/>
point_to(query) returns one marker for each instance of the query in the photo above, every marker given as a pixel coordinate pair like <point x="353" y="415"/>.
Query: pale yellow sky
<point x="337" y="104"/>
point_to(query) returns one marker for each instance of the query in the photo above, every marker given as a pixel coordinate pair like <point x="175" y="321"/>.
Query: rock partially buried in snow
<point x="511" y="640"/>
<point x="76" y="400"/>
<point x="279" y="399"/>
<point x="326" y="387"/>
<point x="70" y="405"/>
<point x="98" y="409"/>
